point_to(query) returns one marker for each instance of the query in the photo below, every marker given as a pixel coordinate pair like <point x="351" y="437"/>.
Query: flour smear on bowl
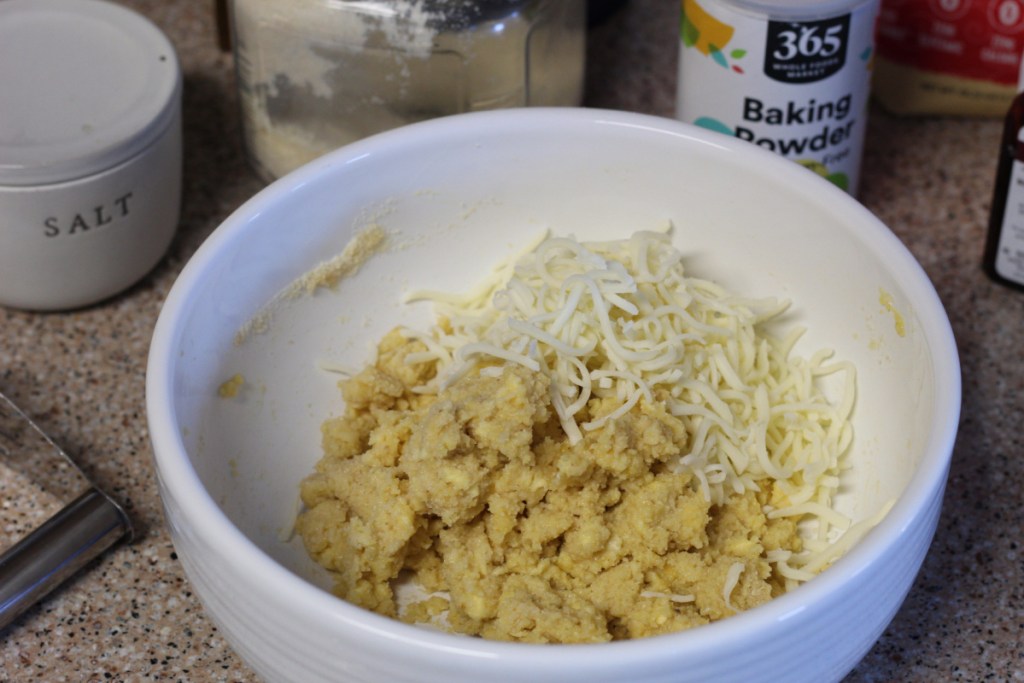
<point x="590" y="445"/>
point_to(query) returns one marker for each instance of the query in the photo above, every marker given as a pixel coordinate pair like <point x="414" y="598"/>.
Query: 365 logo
<point x="806" y="51"/>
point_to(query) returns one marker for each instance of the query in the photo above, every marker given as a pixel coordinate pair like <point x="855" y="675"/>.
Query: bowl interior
<point x="454" y="200"/>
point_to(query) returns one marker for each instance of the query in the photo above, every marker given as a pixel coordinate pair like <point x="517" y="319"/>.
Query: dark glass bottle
<point x="1004" y="249"/>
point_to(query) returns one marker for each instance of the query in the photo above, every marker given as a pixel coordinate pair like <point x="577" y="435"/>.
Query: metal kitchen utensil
<point x="82" y="530"/>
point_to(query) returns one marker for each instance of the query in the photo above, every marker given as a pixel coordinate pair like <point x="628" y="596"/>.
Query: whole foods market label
<point x="795" y="85"/>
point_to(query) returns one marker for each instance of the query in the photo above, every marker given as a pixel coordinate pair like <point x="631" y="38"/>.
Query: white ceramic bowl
<point x="457" y="194"/>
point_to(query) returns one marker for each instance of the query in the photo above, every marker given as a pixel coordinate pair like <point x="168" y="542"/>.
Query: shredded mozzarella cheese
<point x="732" y="579"/>
<point x="671" y="597"/>
<point x="622" y="320"/>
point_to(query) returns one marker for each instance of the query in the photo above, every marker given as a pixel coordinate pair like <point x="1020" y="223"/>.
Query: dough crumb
<point x="231" y="387"/>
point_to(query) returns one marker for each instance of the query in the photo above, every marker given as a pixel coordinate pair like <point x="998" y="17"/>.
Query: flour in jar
<point x="314" y="77"/>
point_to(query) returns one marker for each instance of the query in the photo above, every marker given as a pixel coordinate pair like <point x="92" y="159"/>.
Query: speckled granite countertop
<point x="132" y="615"/>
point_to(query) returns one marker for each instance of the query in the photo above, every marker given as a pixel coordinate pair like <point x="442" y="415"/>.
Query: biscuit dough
<point x="476" y="495"/>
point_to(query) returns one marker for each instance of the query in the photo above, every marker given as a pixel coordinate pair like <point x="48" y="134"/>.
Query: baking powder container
<point x="90" y="151"/>
<point x="791" y="76"/>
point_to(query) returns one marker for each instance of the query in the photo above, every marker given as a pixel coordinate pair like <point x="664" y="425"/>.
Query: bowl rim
<point x="179" y="479"/>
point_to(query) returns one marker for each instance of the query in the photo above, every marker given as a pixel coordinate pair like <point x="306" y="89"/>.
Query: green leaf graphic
<point x="713" y="124"/>
<point x="839" y="179"/>
<point x="738" y="54"/>
<point x="717" y="55"/>
<point x="689" y="33"/>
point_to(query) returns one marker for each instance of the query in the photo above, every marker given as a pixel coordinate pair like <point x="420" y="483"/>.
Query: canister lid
<point x="800" y="10"/>
<point x="84" y="86"/>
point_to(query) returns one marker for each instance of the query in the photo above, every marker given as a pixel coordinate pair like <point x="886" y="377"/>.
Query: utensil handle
<point x="61" y="546"/>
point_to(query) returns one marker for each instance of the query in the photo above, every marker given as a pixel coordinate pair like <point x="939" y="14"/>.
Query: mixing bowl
<point x="454" y="196"/>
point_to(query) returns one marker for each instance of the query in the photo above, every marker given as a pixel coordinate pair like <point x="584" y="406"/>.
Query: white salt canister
<point x="90" y="151"/>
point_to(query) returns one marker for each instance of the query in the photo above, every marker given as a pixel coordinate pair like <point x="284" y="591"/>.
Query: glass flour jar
<point x="314" y="75"/>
